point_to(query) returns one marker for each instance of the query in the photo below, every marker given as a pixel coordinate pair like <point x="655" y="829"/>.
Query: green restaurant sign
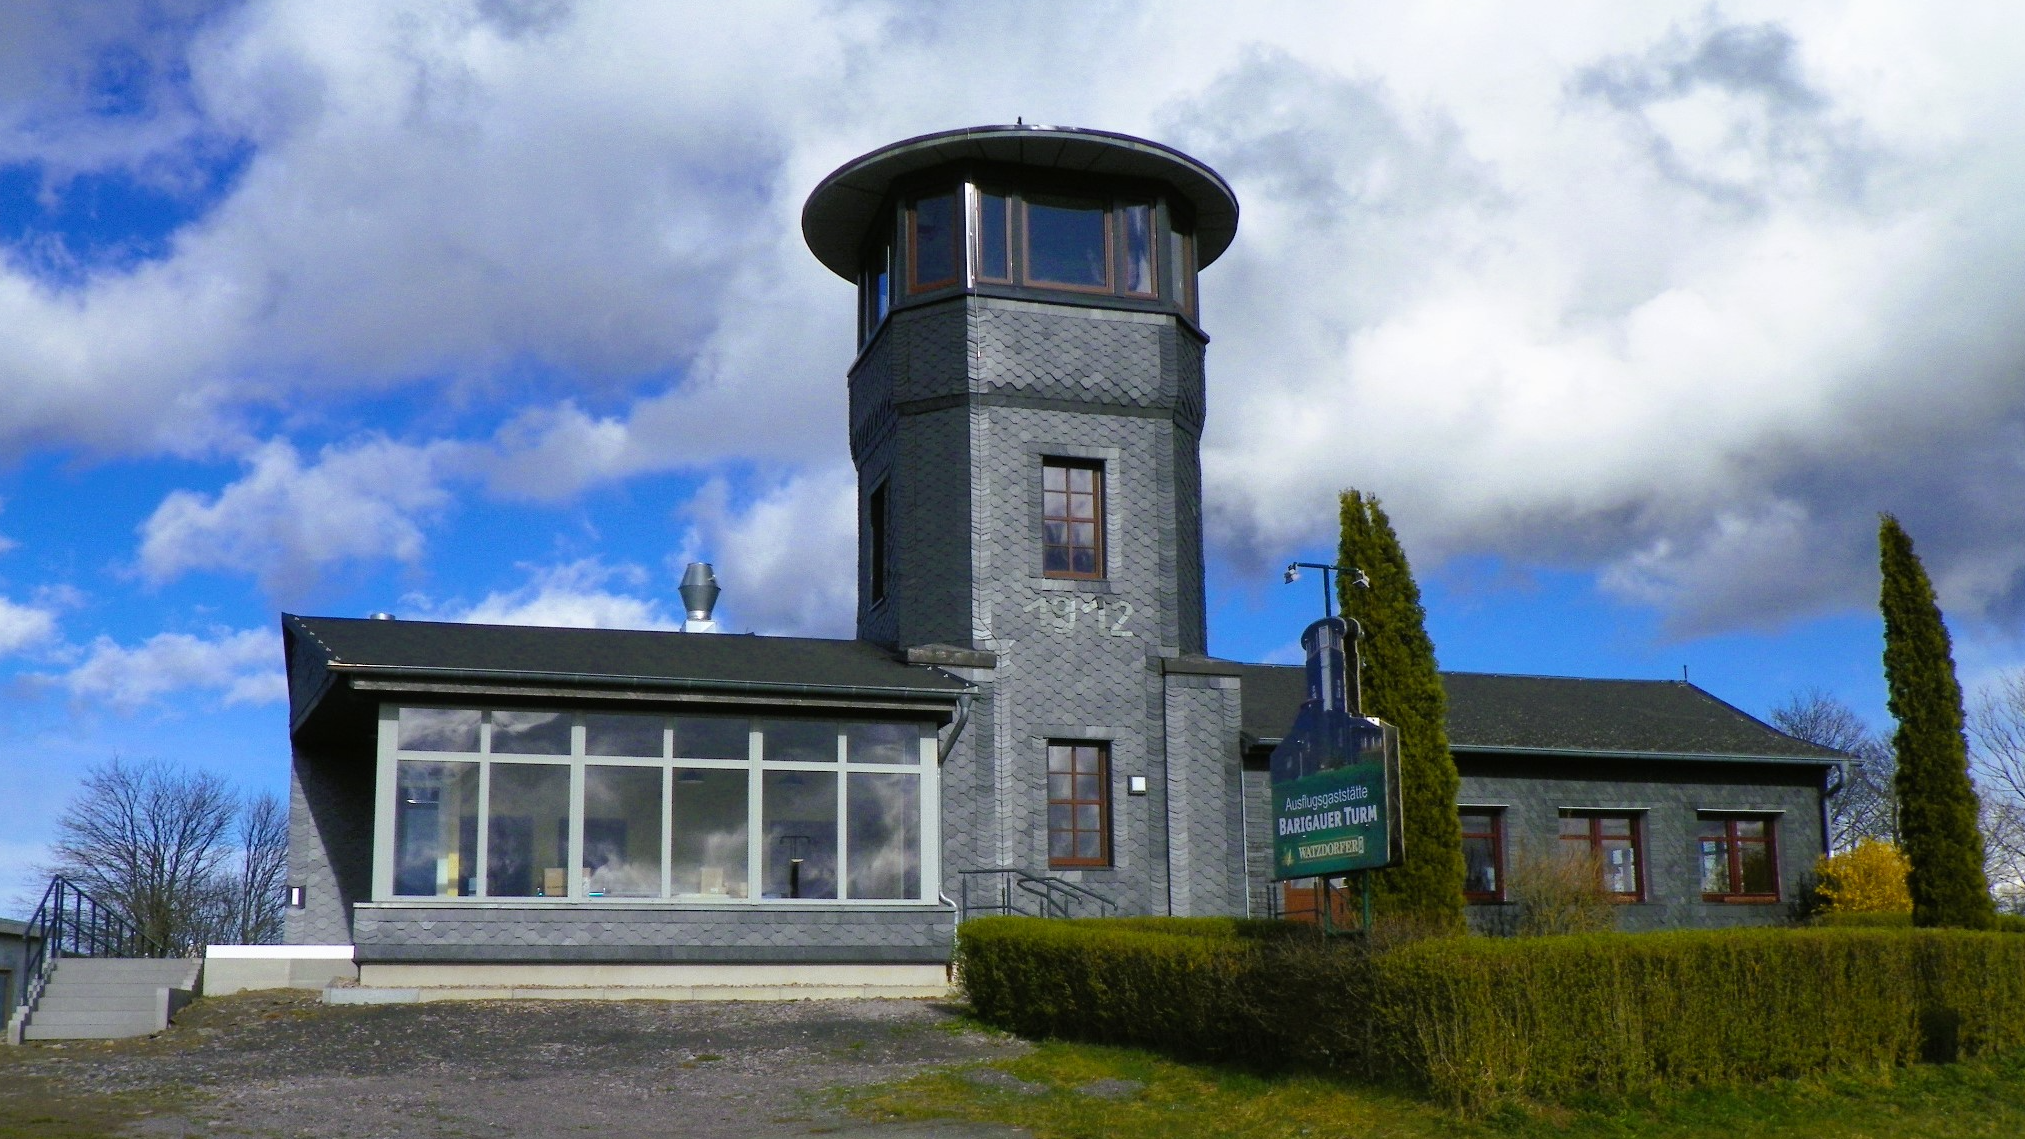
<point x="1335" y="777"/>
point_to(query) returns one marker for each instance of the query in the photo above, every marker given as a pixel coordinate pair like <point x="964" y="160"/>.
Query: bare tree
<point x="1997" y="762"/>
<point x="254" y="890"/>
<point x="1867" y="804"/>
<point x="176" y="852"/>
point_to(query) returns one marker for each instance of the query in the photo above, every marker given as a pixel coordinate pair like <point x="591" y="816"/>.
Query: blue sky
<point x="497" y="310"/>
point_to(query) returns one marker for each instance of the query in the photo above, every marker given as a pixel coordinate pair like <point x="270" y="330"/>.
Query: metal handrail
<point x="70" y="922"/>
<point x="1056" y="897"/>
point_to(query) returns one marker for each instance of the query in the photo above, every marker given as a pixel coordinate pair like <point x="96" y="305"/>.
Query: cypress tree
<point x="1403" y="687"/>
<point x="1937" y="803"/>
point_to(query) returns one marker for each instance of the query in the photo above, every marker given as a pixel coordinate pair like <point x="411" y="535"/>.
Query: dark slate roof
<point x="614" y="656"/>
<point x="1492" y="712"/>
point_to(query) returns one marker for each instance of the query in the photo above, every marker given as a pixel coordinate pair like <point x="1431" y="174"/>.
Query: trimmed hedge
<point x="1477" y="1020"/>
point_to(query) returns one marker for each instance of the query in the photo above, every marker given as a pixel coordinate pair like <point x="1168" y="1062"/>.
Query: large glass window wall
<point x="596" y="806"/>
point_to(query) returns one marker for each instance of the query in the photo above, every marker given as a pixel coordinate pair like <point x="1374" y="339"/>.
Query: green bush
<point x="1474" y="1021"/>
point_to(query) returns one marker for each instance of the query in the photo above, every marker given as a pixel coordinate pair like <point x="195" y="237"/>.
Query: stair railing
<point x="72" y="923"/>
<point x="1012" y="890"/>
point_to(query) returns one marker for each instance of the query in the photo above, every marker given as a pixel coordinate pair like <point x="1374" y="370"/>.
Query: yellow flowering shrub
<point x="1869" y="879"/>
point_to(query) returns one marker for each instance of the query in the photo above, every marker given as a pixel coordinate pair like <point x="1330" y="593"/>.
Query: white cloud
<point x="787" y="561"/>
<point x="24" y="626"/>
<point x="1574" y="287"/>
<point x="284" y="520"/>
<point x="240" y="666"/>
<point x="577" y="595"/>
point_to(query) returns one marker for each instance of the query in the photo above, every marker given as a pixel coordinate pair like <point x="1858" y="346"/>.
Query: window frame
<point x="1733" y="854"/>
<point x="1595" y="838"/>
<point x="1496" y="835"/>
<point x="1025" y="273"/>
<point x="754" y="765"/>
<point x="959" y="231"/>
<point x="1098" y="521"/>
<point x="877" y="520"/>
<point x="1102" y="750"/>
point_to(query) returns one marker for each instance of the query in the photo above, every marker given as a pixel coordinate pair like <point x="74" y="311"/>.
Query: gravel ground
<point x="283" y="1064"/>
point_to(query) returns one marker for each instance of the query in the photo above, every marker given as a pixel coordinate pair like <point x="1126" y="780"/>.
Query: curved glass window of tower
<point x="994" y="262"/>
<point x="875" y="290"/>
<point x="1181" y="267"/>
<point x="932" y="243"/>
<point x="1072" y="519"/>
<point x="1136" y="219"/>
<point x="1068" y="242"/>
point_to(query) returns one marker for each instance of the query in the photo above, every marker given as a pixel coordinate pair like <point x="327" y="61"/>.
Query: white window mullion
<point x="479" y="887"/>
<point x="667" y="831"/>
<point x="755" y="886"/>
<point x="574" y="857"/>
<point x="385" y="806"/>
<point x="843" y="829"/>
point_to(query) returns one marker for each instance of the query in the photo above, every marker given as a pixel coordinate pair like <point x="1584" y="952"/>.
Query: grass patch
<point x="36" y="1107"/>
<point x="1179" y="1100"/>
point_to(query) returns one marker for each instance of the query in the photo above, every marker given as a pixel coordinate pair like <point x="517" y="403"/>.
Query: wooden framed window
<point x="934" y="241"/>
<point x="1068" y="242"/>
<point x="1079" y="804"/>
<point x="1135" y="221"/>
<point x="1483" y="844"/>
<point x="1739" y="858"/>
<point x="1072" y="519"/>
<point x="1615" y="841"/>
<point x="875" y="536"/>
<point x="994" y="236"/>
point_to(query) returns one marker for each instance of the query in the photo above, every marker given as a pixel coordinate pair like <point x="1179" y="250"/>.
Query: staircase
<point x="99" y="998"/>
<point x="91" y="975"/>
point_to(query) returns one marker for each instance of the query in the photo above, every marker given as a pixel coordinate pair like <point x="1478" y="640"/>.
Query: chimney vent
<point x="379" y="616"/>
<point x="699" y="597"/>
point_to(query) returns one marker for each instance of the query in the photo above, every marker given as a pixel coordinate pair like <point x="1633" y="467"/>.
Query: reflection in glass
<point x="1179" y="271"/>
<point x="710" y="833"/>
<point x="621" y="734"/>
<point x="1715" y="866"/>
<point x="622" y="832"/>
<point x="991" y="237"/>
<point x="882" y="743"/>
<point x="713" y="737"/>
<point x="438" y="729"/>
<point x="1066" y="241"/>
<point x="1620" y="866"/>
<point x="1138" y="219"/>
<point x="530" y="733"/>
<point x="885" y="835"/>
<point x="435" y="829"/>
<point x="934" y="241"/>
<point x="1755" y="859"/>
<point x="528" y="836"/>
<point x="1480" y="853"/>
<point x="800" y="741"/>
<point x="798" y="813"/>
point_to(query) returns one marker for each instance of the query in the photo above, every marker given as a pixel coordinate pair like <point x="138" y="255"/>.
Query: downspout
<point x="942" y="751"/>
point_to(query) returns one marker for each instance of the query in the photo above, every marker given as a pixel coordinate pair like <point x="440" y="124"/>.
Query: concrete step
<point x="149" y="984"/>
<point x="96" y="1000"/>
<point x="92" y="1016"/>
<point x="123" y="968"/>
<point x="35" y="1031"/>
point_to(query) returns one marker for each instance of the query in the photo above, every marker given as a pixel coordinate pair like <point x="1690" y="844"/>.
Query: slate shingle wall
<point x="1206" y="809"/>
<point x="644" y="934"/>
<point x="330" y="843"/>
<point x="1533" y="793"/>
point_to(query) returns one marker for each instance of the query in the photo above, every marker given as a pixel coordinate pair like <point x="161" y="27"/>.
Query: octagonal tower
<point x="1026" y="411"/>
